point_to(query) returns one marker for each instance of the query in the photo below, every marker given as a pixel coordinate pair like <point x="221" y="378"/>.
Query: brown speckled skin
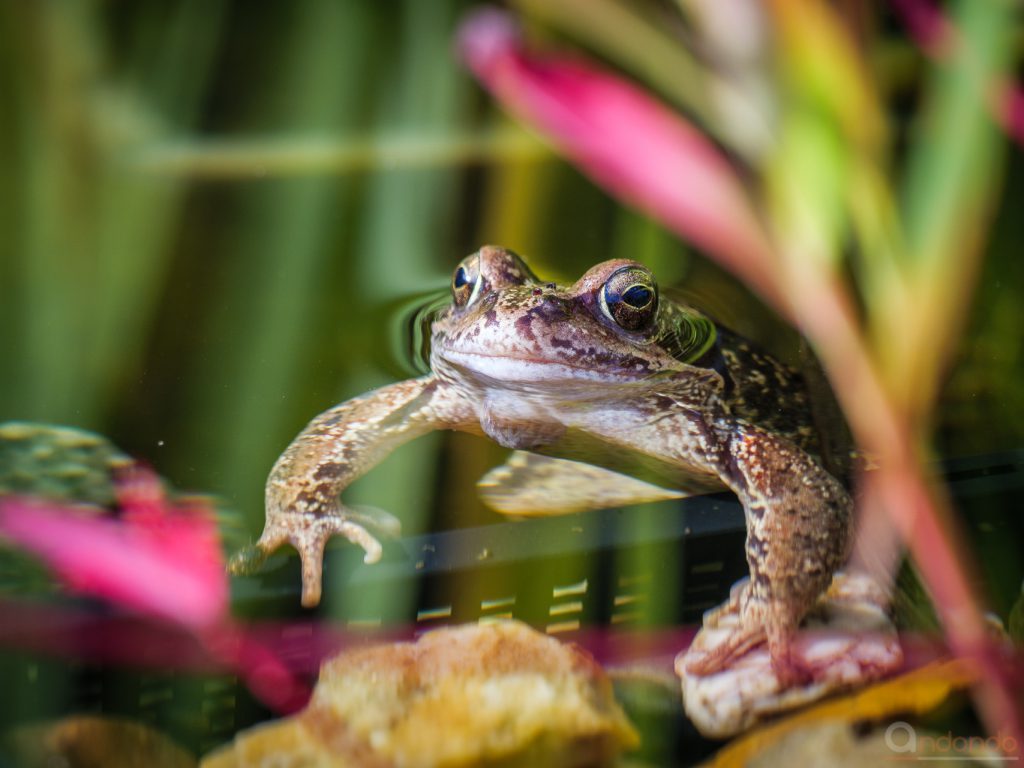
<point x="543" y="367"/>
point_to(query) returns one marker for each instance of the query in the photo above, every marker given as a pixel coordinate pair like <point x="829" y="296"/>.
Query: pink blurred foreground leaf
<point x="156" y="558"/>
<point x="626" y="141"/>
<point x="927" y="25"/>
<point x="159" y="559"/>
<point x="1009" y="109"/>
<point x="264" y="671"/>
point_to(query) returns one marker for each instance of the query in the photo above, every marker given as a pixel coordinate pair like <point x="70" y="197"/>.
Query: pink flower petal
<point x="157" y="559"/>
<point x="1008" y="106"/>
<point x="626" y="141"/>
<point x="931" y="30"/>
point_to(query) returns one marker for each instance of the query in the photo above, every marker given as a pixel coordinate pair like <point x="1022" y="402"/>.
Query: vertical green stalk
<point x="275" y="270"/>
<point x="137" y="217"/>
<point x="53" y="57"/>
<point x="406" y="242"/>
<point x="949" y="193"/>
<point x="90" y="244"/>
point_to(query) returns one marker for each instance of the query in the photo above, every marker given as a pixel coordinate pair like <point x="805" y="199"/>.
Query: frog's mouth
<point x="510" y="368"/>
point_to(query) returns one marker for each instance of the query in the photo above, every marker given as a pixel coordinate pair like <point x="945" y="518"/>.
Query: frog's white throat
<point x="521" y="370"/>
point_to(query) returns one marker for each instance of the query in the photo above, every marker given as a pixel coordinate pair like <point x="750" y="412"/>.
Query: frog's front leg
<point x="335" y="448"/>
<point x="798" y="534"/>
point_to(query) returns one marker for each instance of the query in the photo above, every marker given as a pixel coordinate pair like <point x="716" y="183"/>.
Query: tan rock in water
<point x="92" y="741"/>
<point x="498" y="694"/>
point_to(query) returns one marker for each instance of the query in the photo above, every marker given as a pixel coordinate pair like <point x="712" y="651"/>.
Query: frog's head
<point x="506" y="326"/>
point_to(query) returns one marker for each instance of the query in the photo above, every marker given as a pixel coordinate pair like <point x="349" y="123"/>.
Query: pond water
<point x="221" y="219"/>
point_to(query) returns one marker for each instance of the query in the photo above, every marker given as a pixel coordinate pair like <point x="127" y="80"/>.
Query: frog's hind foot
<point x="788" y="665"/>
<point x="723" y="655"/>
<point x="727" y="632"/>
<point x="741" y="624"/>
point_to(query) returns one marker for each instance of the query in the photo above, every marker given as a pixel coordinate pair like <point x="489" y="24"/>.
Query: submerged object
<point x="493" y="694"/>
<point x="847" y="640"/>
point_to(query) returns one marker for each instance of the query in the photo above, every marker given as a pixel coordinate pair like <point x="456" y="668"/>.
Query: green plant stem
<point x="234" y="158"/>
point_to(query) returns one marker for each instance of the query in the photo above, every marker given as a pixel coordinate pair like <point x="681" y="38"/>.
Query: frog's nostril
<point x="556" y="306"/>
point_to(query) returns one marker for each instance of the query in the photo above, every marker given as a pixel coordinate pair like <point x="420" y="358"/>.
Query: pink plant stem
<point x="928" y="26"/>
<point x="919" y="518"/>
<point x="825" y="315"/>
<point x="1008" y="106"/>
<point x="264" y="673"/>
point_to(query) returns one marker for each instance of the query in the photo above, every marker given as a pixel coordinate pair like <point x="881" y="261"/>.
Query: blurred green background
<point x="214" y="217"/>
<point x="212" y="213"/>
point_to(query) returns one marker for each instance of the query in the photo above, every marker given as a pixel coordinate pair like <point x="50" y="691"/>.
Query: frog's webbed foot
<point x="748" y="663"/>
<point x="738" y="639"/>
<point x="308" y="534"/>
<point x="727" y="653"/>
<point x="748" y="620"/>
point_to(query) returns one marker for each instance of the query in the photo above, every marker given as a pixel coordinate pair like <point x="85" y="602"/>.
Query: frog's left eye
<point x="629" y="298"/>
<point x="466" y="281"/>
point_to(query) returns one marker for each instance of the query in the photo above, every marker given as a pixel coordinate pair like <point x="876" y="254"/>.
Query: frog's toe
<point x="357" y="534"/>
<point x="311" y="553"/>
<point x="248" y="559"/>
<point x="310" y="543"/>
<point x="374" y="519"/>
<point x="731" y="608"/>
<point x="309" y="534"/>
<point x="791" y="670"/>
<point x="718" y="649"/>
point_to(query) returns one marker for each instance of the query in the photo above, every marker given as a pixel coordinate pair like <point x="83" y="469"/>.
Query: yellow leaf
<point x="915" y="692"/>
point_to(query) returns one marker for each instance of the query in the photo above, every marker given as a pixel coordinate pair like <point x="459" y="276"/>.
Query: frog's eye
<point x="629" y="298"/>
<point x="466" y="281"/>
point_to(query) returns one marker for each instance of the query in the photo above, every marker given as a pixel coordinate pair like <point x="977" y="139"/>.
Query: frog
<point x="603" y="373"/>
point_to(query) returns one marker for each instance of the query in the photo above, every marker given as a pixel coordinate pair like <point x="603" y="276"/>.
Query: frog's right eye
<point x="629" y="298"/>
<point x="466" y="281"/>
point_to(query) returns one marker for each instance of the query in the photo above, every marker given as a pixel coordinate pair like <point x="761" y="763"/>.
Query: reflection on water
<point x="409" y="329"/>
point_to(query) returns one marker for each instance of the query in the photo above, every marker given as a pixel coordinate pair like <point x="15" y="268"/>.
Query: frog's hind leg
<point x="798" y="534"/>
